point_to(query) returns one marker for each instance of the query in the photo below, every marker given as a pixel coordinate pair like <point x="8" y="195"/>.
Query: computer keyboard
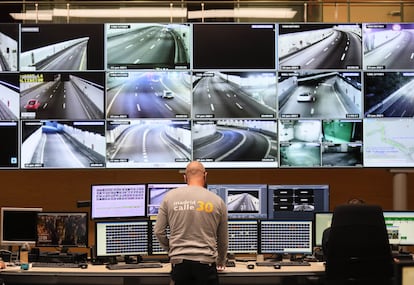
<point x="134" y="265"/>
<point x="56" y="264"/>
<point x="283" y="263"/>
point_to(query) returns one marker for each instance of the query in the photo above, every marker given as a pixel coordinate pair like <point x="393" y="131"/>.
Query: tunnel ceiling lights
<point x="156" y="12"/>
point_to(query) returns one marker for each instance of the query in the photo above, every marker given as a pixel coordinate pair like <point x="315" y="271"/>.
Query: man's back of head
<point x="195" y="174"/>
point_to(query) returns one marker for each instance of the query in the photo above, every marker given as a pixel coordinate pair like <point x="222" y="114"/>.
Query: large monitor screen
<point x="385" y="45"/>
<point x="234" y="46"/>
<point x="146" y="45"/>
<point x="230" y="95"/>
<point x="18" y="225"/>
<point x="9" y="50"/>
<point x="10" y="94"/>
<point x="148" y="143"/>
<point x="62" y="47"/>
<point x="234" y="94"/>
<point x="300" y="142"/>
<point x="118" y="200"/>
<point x="319" y="46"/>
<point x="388" y="142"/>
<point x="63" y="95"/>
<point x="121" y="238"/>
<point x="342" y="143"/>
<point x="150" y="94"/>
<point x="63" y="144"/>
<point x="235" y="143"/>
<point x="62" y="229"/>
<point x="285" y="237"/>
<point x="9" y="151"/>
<point x="156" y="193"/>
<point x="388" y="94"/>
<point x="320" y="94"/>
<point x="244" y="201"/>
<point x="297" y="202"/>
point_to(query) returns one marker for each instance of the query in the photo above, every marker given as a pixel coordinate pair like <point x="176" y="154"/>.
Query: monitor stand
<point x="132" y="259"/>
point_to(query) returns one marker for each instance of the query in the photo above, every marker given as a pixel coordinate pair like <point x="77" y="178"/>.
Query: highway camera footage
<point x="130" y="46"/>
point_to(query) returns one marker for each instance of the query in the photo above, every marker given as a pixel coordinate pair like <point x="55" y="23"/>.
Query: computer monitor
<point x="18" y="225"/>
<point x="399" y="224"/>
<point x="297" y="202"/>
<point x="243" y="236"/>
<point x="156" y="193"/>
<point x="244" y="201"/>
<point x="400" y="227"/>
<point x="118" y="200"/>
<point x="155" y="246"/>
<point x="321" y="221"/>
<point x="62" y="229"/>
<point x="280" y="237"/>
<point x="122" y="238"/>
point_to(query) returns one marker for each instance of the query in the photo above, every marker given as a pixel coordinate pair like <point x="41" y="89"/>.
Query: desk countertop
<point x="316" y="268"/>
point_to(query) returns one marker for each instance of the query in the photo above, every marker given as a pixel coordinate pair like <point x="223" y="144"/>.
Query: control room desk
<point x="98" y="274"/>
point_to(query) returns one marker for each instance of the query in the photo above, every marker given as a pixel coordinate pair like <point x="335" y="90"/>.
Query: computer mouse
<point x="83" y="265"/>
<point x="276" y="266"/>
<point x="250" y="266"/>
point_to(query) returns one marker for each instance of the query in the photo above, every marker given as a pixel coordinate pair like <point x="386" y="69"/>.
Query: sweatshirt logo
<point x="199" y="206"/>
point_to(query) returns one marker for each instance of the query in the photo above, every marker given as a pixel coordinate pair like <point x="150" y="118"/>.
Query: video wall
<point x="232" y="95"/>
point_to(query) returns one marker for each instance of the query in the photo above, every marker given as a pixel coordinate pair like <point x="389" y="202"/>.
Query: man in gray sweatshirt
<point x="198" y="240"/>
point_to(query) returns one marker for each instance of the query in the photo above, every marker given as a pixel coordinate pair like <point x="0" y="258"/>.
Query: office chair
<point x="358" y="248"/>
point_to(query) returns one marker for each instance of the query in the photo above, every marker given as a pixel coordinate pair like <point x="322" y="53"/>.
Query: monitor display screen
<point x="18" y="225"/>
<point x="218" y="46"/>
<point x="400" y="227"/>
<point x="148" y="143"/>
<point x="399" y="224"/>
<point x="9" y="50"/>
<point x="235" y="143"/>
<point x="156" y="193"/>
<point x="118" y="200"/>
<point x="63" y="144"/>
<point x="151" y="94"/>
<point x="243" y="236"/>
<point x="10" y="94"/>
<point x="63" y="95"/>
<point x="319" y="46"/>
<point x="320" y="94"/>
<point x="388" y="94"/>
<point x="121" y="238"/>
<point x="234" y="94"/>
<point x="9" y="151"/>
<point x="285" y="237"/>
<point x="62" y="229"/>
<point x="342" y="143"/>
<point x="244" y="201"/>
<point x="148" y="45"/>
<point x="297" y="202"/>
<point x="322" y="221"/>
<point x="385" y="45"/>
<point x="62" y="47"/>
<point x="300" y="143"/>
<point x="388" y="142"/>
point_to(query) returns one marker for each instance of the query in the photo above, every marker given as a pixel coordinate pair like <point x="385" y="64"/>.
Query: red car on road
<point x="32" y="105"/>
